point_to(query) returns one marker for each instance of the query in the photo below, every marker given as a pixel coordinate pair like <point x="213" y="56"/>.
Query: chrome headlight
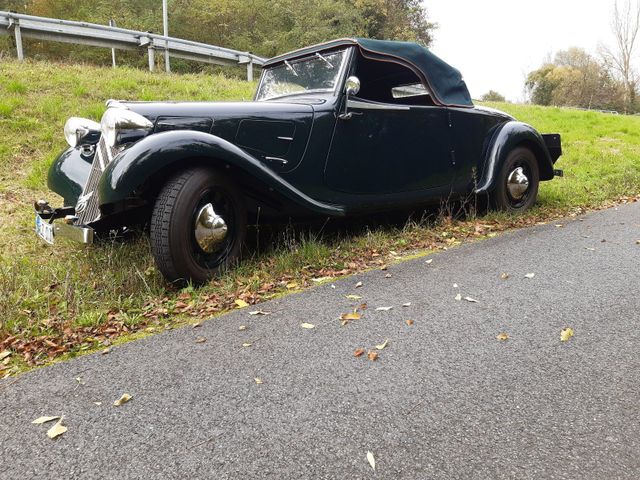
<point x="77" y="129"/>
<point x="117" y="119"/>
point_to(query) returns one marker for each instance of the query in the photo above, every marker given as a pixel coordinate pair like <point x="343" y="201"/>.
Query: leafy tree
<point x="493" y="96"/>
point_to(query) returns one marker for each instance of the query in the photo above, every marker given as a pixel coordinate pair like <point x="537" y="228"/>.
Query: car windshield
<point x="316" y="73"/>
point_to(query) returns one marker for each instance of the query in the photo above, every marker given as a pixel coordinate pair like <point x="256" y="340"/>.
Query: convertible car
<point x="345" y="128"/>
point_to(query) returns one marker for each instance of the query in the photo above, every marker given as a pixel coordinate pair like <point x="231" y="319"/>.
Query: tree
<point x="493" y="96"/>
<point x="625" y="25"/>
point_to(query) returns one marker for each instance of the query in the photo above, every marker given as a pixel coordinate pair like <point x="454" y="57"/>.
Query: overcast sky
<point x="495" y="43"/>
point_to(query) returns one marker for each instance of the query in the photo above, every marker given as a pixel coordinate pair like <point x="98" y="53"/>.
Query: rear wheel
<point x="198" y="226"/>
<point x="517" y="183"/>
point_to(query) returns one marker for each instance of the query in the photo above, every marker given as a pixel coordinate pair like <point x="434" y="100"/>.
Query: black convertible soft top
<point x="444" y="81"/>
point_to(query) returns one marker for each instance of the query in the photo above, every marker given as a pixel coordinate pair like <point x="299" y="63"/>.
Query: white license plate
<point x="44" y="230"/>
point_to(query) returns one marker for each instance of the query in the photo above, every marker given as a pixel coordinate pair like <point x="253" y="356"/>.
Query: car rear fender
<point x="130" y="171"/>
<point x="512" y="135"/>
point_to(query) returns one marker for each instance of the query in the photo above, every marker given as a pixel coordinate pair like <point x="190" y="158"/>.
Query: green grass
<point x="67" y="293"/>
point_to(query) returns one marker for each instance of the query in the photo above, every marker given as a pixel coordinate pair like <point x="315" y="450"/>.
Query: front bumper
<point x="65" y="228"/>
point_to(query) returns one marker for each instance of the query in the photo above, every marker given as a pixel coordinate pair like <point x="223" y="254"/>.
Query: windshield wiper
<point x="324" y="60"/>
<point x="288" y="65"/>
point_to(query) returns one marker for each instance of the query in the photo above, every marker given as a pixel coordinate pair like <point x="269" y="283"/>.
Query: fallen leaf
<point x="106" y="351"/>
<point x="428" y="262"/>
<point x="383" y="309"/>
<point x="591" y="249"/>
<point x="559" y="225"/>
<point x="259" y="312"/>
<point x="4" y="354"/>
<point x="409" y="322"/>
<point x="292" y="285"/>
<point x="308" y="326"/>
<point x="455" y="285"/>
<point x="97" y="403"/>
<point x="371" y="459"/>
<point x="258" y="381"/>
<point x="241" y="303"/>
<point x="321" y="279"/>
<point x="57" y="429"/>
<point x="358" y="285"/>
<point x="503" y="336"/>
<point x="353" y="297"/>
<point x="384" y="267"/>
<point x="637" y="242"/>
<point x="201" y="339"/>
<point x="383" y="345"/>
<point x="196" y="325"/>
<point x="472" y="300"/>
<point x="504" y="275"/>
<point x="566" y="334"/>
<point x="408" y="304"/>
<point x="45" y="419"/>
<point x="388" y="275"/>
<point x="359" y="352"/>
<point x="242" y="328"/>
<point x="458" y="297"/>
<point x="247" y="344"/>
<point x="122" y="400"/>
<point x="333" y="286"/>
<point x="372" y="355"/>
<point x="530" y="275"/>
<point x="350" y="316"/>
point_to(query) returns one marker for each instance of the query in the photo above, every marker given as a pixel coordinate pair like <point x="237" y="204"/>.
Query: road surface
<point x="444" y="400"/>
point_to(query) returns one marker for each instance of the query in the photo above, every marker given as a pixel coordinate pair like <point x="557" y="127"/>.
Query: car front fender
<point x="511" y="135"/>
<point x="130" y="170"/>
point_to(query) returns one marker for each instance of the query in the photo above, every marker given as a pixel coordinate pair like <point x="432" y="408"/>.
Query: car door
<point x="385" y="148"/>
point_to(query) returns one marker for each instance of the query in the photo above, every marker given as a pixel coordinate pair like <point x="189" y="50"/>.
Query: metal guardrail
<point x="95" y="35"/>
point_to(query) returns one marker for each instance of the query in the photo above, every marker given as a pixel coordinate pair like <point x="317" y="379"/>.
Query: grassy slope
<point x="45" y="293"/>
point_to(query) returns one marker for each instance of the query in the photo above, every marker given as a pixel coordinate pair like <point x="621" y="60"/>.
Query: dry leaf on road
<point x="409" y="322"/>
<point x="200" y="339"/>
<point x="472" y="300"/>
<point x="504" y="275"/>
<point x="308" y="326"/>
<point x="388" y="275"/>
<point x="5" y="354"/>
<point x="428" y="262"/>
<point x="530" y="275"/>
<point x="44" y="419"/>
<point x="458" y="297"/>
<point x="372" y="355"/>
<point x="383" y="345"/>
<point x="242" y="328"/>
<point x="353" y="297"/>
<point x="566" y="334"/>
<point x="358" y="285"/>
<point x="383" y="309"/>
<point x="258" y="381"/>
<point x="247" y="344"/>
<point x="57" y="429"/>
<point x="371" y="459"/>
<point x="259" y="312"/>
<point x="359" y="352"/>
<point x="503" y="336"/>
<point x="408" y="304"/>
<point x="241" y="303"/>
<point x="350" y="316"/>
<point x="122" y="400"/>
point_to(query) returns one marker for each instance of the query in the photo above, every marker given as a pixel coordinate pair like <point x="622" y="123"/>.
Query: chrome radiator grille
<point x="87" y="207"/>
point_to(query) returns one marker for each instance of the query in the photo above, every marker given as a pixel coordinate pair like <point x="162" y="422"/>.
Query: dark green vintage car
<point x="348" y="127"/>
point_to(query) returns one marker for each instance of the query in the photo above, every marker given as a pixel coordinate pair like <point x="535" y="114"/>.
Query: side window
<point x="389" y="82"/>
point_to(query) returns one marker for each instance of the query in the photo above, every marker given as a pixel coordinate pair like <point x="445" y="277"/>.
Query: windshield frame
<point x="339" y="78"/>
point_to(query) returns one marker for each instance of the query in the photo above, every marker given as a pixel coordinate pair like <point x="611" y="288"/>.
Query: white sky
<point x="495" y="43"/>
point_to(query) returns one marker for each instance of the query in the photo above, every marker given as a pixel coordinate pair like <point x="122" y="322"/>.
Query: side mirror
<point x="351" y="87"/>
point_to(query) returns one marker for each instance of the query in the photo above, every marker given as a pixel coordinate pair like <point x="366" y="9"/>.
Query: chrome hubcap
<point x="210" y="229"/>
<point x="517" y="184"/>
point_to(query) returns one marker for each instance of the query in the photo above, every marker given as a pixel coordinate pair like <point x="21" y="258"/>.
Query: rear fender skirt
<point x="128" y="172"/>
<point x="511" y="135"/>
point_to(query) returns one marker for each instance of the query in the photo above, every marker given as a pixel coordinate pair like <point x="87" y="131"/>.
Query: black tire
<point x="177" y="253"/>
<point x="501" y="198"/>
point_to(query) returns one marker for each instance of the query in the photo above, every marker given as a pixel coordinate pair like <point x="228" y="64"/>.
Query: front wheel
<point x="517" y="183"/>
<point x="198" y="226"/>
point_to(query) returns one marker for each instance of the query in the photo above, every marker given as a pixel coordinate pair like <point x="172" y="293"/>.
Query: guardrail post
<point x="112" y="23"/>
<point x="152" y="57"/>
<point x="250" y="71"/>
<point x="14" y="24"/>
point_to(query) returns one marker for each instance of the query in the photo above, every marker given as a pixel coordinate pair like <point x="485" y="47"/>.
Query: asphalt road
<point x="445" y="399"/>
